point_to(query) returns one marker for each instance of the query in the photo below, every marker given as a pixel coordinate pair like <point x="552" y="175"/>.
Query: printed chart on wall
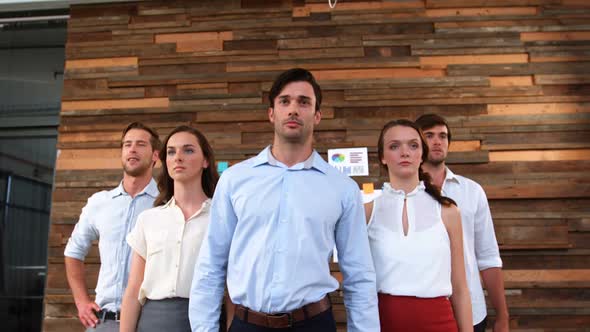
<point x="350" y="161"/>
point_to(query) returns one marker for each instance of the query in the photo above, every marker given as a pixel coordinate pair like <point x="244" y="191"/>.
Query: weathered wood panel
<point x="511" y="76"/>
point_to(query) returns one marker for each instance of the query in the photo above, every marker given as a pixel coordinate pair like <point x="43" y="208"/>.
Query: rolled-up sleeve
<point x="487" y="252"/>
<point x="211" y="269"/>
<point x="84" y="232"/>
<point x="356" y="265"/>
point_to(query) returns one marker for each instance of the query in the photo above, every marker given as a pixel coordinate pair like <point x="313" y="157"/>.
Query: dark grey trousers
<point x="167" y="315"/>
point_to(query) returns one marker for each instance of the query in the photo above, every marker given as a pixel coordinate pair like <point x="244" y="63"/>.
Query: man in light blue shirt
<point x="275" y="219"/>
<point x="108" y="217"/>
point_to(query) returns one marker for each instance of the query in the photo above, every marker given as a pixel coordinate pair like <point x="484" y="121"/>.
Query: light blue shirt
<point x="108" y="216"/>
<point x="273" y="229"/>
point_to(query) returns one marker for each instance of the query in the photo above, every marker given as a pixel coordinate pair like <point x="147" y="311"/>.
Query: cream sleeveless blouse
<point x="419" y="263"/>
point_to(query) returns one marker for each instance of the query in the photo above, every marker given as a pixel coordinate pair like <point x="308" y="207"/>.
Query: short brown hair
<point x="154" y="138"/>
<point x="295" y="75"/>
<point x="427" y="121"/>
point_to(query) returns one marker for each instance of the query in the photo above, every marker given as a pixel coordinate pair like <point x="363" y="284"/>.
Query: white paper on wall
<point x="350" y="161"/>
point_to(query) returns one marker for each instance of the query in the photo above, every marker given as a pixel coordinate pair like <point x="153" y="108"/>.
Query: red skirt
<point x="413" y="314"/>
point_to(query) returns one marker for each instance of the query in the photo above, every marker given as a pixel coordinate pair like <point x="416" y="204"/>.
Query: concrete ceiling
<point x="28" y="5"/>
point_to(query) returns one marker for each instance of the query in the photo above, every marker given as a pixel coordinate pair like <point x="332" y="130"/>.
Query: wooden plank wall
<point x="511" y="76"/>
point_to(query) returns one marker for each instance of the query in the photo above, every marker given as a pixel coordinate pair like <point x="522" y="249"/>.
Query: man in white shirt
<point x="108" y="217"/>
<point x="480" y="246"/>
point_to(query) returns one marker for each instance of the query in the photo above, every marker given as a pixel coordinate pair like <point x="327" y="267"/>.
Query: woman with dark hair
<point x="416" y="242"/>
<point x="167" y="238"/>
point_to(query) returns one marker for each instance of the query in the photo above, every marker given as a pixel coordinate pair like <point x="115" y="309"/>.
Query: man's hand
<point x="86" y="307"/>
<point x="87" y="313"/>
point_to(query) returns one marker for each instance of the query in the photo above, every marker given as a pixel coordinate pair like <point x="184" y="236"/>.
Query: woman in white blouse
<point x="167" y="238"/>
<point x="416" y="242"/>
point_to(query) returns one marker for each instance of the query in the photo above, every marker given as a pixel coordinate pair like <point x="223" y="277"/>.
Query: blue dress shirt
<point x="108" y="217"/>
<point x="272" y="232"/>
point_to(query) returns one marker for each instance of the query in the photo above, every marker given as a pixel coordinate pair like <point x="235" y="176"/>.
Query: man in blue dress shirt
<point x="275" y="219"/>
<point x="108" y="217"/>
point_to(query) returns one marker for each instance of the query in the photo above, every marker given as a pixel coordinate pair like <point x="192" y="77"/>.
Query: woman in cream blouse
<point x="167" y="238"/>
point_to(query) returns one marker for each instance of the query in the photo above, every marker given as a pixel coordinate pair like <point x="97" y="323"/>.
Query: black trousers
<point x="481" y="327"/>
<point x="323" y="322"/>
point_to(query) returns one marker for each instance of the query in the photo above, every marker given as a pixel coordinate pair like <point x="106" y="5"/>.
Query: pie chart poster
<point x="350" y="161"/>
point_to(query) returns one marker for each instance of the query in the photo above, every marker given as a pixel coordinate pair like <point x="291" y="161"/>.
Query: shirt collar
<point x="204" y="207"/>
<point x="388" y="188"/>
<point x="450" y="176"/>
<point x="170" y="204"/>
<point x="314" y="161"/>
<point x="118" y="191"/>
<point x="151" y="189"/>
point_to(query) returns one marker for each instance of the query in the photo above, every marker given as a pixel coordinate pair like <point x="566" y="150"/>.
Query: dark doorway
<point x="32" y="53"/>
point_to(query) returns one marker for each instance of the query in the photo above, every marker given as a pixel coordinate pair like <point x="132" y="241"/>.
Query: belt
<point x="283" y="320"/>
<point x="109" y="315"/>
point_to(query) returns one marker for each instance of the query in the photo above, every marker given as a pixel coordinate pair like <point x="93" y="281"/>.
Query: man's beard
<point x="135" y="172"/>
<point x="435" y="162"/>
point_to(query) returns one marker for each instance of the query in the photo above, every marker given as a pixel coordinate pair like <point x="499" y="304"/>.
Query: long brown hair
<point x="209" y="177"/>
<point x="431" y="189"/>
